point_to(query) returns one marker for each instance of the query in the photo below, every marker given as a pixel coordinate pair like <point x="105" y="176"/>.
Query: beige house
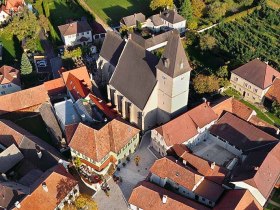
<point x="147" y="91"/>
<point x="253" y="80"/>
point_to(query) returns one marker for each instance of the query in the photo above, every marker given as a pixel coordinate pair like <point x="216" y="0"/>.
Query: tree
<point x="44" y="22"/>
<point x="186" y="10"/>
<point x="276" y="108"/>
<point x="191" y="37"/>
<point x="217" y="10"/>
<point x="192" y="24"/>
<point x="206" y="84"/>
<point x="198" y="7"/>
<point x="161" y="4"/>
<point x="77" y="162"/>
<point x="207" y="42"/>
<point x="83" y="201"/>
<point x="222" y="72"/>
<point x="77" y="52"/>
<point x="25" y="67"/>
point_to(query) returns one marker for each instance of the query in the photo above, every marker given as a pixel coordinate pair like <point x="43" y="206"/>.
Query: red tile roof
<point x="217" y="174"/>
<point x="70" y="131"/>
<point x="274" y="91"/>
<point x="148" y="196"/>
<point x="233" y="106"/>
<point x="238" y="200"/>
<point x="96" y="144"/>
<point x="178" y="130"/>
<point x="9" y="74"/>
<point x="176" y="172"/>
<point x="209" y="190"/>
<point x="12" y="4"/>
<point x="55" y="86"/>
<point x="81" y="74"/>
<point x="240" y="133"/>
<point x="184" y="127"/>
<point x="257" y="73"/>
<point x="23" y="99"/>
<point x="103" y="106"/>
<point x="59" y="183"/>
<point x="202" y="115"/>
<point x="77" y="88"/>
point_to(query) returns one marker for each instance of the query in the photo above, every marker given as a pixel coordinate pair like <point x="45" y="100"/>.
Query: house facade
<point x="76" y="33"/>
<point x="9" y="80"/>
<point x="253" y="80"/>
<point x="155" y="89"/>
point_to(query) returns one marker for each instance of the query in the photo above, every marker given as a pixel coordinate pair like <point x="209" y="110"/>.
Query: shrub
<point x="123" y="164"/>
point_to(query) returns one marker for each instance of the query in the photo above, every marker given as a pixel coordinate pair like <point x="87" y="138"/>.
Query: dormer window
<point x="181" y="65"/>
<point x="166" y="62"/>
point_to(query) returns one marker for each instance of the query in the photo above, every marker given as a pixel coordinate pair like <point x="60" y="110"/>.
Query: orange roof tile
<point x="23" y="99"/>
<point x="9" y="74"/>
<point x="238" y="200"/>
<point x="77" y="88"/>
<point x="148" y="196"/>
<point x="274" y="91"/>
<point x="217" y="174"/>
<point x="59" y="183"/>
<point x="233" y="106"/>
<point x="187" y="178"/>
<point x="55" y="86"/>
<point x="96" y="144"/>
<point x="81" y="74"/>
<point x="202" y="115"/>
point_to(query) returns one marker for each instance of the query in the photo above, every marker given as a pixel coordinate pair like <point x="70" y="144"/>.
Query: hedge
<point x="241" y="14"/>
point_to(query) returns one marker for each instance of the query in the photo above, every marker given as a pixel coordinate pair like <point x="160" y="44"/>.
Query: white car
<point x="41" y="65"/>
<point x="42" y="62"/>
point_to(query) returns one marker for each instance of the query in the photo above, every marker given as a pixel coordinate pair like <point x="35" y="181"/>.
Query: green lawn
<point x="111" y="11"/>
<point x="11" y="51"/>
<point x="36" y="126"/>
<point x="275" y="119"/>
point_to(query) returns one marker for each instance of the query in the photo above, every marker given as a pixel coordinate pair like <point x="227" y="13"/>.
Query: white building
<point x="76" y="33"/>
<point x="9" y="80"/>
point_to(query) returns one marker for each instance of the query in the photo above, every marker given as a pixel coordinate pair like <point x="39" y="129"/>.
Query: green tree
<point x="191" y="37"/>
<point x="207" y="42"/>
<point x="84" y="201"/>
<point x="25" y="67"/>
<point x="198" y="7"/>
<point x="186" y="10"/>
<point x="217" y="10"/>
<point x="44" y="22"/>
<point x="206" y="84"/>
<point x="77" y="52"/>
<point x="222" y="72"/>
<point x="161" y="4"/>
<point x="276" y="108"/>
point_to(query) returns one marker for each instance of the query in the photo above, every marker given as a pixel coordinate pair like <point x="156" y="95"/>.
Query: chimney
<point x="83" y="116"/>
<point x="278" y="131"/>
<point x="256" y="168"/>
<point x="213" y="165"/>
<point x="166" y="62"/>
<point x="164" y="199"/>
<point x="266" y="62"/>
<point x="17" y="204"/>
<point x="44" y="185"/>
<point x="38" y="151"/>
<point x="208" y="103"/>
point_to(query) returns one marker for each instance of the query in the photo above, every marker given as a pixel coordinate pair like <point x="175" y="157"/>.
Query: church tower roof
<point x="173" y="61"/>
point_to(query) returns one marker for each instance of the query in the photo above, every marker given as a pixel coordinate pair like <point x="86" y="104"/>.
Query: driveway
<point x="131" y="176"/>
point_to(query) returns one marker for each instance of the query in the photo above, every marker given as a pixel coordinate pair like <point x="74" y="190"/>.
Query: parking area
<point x="131" y="175"/>
<point x="211" y="151"/>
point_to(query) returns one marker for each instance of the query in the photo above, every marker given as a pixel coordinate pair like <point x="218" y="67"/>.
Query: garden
<point x="111" y="11"/>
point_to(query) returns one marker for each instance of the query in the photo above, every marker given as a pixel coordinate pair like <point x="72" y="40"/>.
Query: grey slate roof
<point x="135" y="74"/>
<point x="132" y="19"/>
<point x="112" y="47"/>
<point x="171" y="16"/>
<point x="9" y="158"/>
<point x="157" y="21"/>
<point x="174" y="61"/>
<point x="150" y="42"/>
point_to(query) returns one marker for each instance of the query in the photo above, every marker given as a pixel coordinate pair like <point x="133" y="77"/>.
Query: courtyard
<point x="211" y="151"/>
<point x="131" y="175"/>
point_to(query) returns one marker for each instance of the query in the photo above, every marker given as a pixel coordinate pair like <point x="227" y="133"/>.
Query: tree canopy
<point x="207" y="42"/>
<point x="198" y="7"/>
<point x="161" y="4"/>
<point x="206" y="84"/>
<point x="83" y="201"/>
<point x="25" y="67"/>
<point x="186" y="10"/>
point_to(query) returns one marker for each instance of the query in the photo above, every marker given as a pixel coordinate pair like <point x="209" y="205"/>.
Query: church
<point x="146" y="90"/>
